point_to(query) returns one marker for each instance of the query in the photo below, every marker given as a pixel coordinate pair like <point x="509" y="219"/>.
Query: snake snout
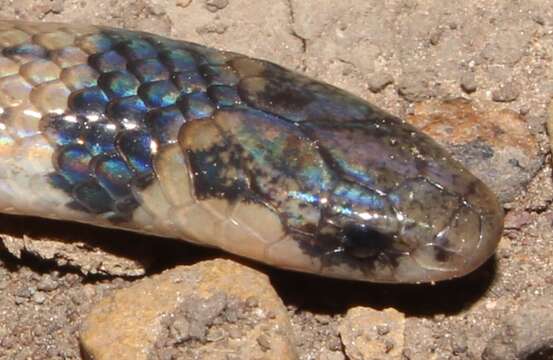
<point x="464" y="233"/>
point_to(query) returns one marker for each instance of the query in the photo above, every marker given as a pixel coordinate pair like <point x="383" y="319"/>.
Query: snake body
<point x="131" y="130"/>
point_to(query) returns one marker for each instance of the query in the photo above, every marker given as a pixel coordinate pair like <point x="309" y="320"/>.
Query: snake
<point x="131" y="130"/>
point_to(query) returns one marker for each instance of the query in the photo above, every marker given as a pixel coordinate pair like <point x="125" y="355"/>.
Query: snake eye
<point x="364" y="242"/>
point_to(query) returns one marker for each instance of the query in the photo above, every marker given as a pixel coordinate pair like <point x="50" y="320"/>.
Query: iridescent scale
<point x="136" y="131"/>
<point x="132" y="98"/>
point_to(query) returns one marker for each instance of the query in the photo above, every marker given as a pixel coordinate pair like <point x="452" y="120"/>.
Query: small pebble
<point x="322" y="319"/>
<point x="39" y="298"/>
<point x="468" y="82"/>
<point x="19" y="300"/>
<point x="217" y="28"/>
<point x="216" y="5"/>
<point x="47" y="284"/>
<point x="231" y="315"/>
<point x="436" y="36"/>
<point x="388" y="346"/>
<point x="214" y="335"/>
<point x="506" y="93"/>
<point x="524" y="110"/>
<point x="26" y="292"/>
<point x="382" y="329"/>
<point x="378" y="82"/>
<point x="264" y="342"/>
<point x="415" y="86"/>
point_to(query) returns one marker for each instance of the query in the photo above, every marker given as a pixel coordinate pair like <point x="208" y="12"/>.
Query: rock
<point x="98" y="252"/>
<point x="415" y="86"/>
<point x="495" y="145"/>
<point x="506" y="92"/>
<point x="436" y="36"/>
<point x="378" y="82"/>
<point x="527" y="334"/>
<point x="213" y="28"/>
<point x="206" y="311"/>
<point x="371" y="334"/>
<point x="89" y="260"/>
<point x="216" y="5"/>
<point x="47" y="283"/>
<point x="468" y="82"/>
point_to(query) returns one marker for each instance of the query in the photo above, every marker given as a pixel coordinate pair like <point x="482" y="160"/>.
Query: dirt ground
<point x="393" y="53"/>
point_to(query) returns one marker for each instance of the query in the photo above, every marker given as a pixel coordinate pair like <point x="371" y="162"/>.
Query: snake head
<point x="402" y="209"/>
<point x="364" y="194"/>
<point x="311" y="178"/>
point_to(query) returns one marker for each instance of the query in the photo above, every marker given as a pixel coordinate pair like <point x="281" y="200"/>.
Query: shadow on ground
<point x="307" y="292"/>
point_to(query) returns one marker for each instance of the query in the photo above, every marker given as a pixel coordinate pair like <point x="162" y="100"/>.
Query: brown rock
<point x="212" y="310"/>
<point x="526" y="334"/>
<point x="371" y="334"/>
<point x="495" y="145"/>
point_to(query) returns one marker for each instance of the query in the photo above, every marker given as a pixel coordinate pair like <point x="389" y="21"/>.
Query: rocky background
<point x="477" y="75"/>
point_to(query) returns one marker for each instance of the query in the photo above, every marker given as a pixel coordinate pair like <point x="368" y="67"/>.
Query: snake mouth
<point x="466" y="242"/>
<point x="445" y="238"/>
<point x="460" y="248"/>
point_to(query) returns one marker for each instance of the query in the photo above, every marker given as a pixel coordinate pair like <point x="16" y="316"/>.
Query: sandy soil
<point x="393" y="53"/>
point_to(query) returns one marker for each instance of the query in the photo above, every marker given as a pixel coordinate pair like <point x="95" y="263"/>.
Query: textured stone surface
<point x="105" y="252"/>
<point x="526" y="334"/>
<point x="206" y="311"/>
<point x="89" y="260"/>
<point x="371" y="334"/>
<point x="495" y="144"/>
